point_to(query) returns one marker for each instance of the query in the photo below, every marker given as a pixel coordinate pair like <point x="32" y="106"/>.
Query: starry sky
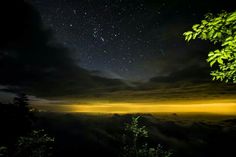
<point x="128" y="39"/>
<point x="89" y="47"/>
<point x="109" y="36"/>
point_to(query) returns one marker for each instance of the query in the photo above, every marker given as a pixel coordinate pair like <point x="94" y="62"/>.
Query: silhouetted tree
<point x="22" y="101"/>
<point x="18" y="137"/>
<point x="27" y="117"/>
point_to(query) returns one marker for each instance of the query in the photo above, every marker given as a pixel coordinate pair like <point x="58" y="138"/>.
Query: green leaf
<point x="232" y="17"/>
<point x="211" y="54"/>
<point x="219" y="34"/>
<point x="204" y="22"/>
<point x="219" y="60"/>
<point x="195" y="27"/>
<point x="204" y="35"/>
<point x="195" y="35"/>
<point x="188" y="33"/>
<point x="212" y="63"/>
<point x="189" y="37"/>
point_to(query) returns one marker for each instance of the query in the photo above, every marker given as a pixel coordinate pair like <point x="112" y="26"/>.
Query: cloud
<point x="32" y="60"/>
<point x="194" y="74"/>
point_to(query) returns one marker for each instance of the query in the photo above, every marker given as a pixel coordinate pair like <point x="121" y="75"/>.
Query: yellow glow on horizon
<point x="148" y="107"/>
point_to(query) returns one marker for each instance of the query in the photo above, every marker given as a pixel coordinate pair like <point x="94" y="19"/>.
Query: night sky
<point x="127" y="39"/>
<point x="63" y="48"/>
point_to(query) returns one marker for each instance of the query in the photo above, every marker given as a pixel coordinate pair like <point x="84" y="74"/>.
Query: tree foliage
<point x="218" y="29"/>
<point x="37" y="144"/>
<point x="136" y="147"/>
<point x="3" y="151"/>
<point x="18" y="135"/>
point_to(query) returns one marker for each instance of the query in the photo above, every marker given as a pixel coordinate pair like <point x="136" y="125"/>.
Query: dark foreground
<point x="84" y="135"/>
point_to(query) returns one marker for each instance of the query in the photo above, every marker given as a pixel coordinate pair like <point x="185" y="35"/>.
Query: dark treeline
<point x="15" y="119"/>
<point x="18" y="135"/>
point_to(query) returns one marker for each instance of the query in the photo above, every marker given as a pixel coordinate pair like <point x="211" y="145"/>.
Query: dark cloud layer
<point x="30" y="59"/>
<point x="194" y="74"/>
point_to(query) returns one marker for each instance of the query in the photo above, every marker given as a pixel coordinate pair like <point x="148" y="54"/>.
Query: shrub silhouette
<point x="36" y="144"/>
<point x="3" y="151"/>
<point x="136" y="147"/>
<point x="17" y="133"/>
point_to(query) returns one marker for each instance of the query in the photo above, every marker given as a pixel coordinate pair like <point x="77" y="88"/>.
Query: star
<point x="102" y="39"/>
